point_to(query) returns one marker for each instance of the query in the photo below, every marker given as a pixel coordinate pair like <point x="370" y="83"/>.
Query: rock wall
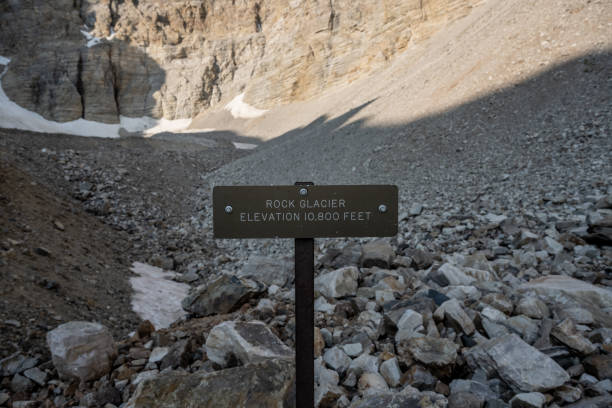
<point x="175" y="59"/>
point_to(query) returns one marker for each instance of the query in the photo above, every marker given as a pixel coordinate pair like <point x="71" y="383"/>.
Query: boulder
<point x="528" y="400"/>
<point x="246" y="342"/>
<point x="372" y="381"/>
<point x="566" y="333"/>
<point x="337" y="359"/>
<point x="224" y="295"/>
<point x="566" y="291"/>
<point x="269" y="271"/>
<point x="402" y="399"/>
<point x="81" y="350"/>
<point x="438" y="352"/>
<point x="390" y="370"/>
<point x="520" y="365"/>
<point x="269" y="383"/>
<point x="377" y="253"/>
<point x="456" y="316"/>
<point x="599" y="365"/>
<point x="339" y="283"/>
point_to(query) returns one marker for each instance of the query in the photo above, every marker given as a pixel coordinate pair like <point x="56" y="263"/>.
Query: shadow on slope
<point x="515" y="131"/>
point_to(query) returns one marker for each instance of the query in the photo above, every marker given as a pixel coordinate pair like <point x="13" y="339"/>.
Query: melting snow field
<point x="13" y="116"/>
<point x="157" y="298"/>
<point x="242" y="110"/>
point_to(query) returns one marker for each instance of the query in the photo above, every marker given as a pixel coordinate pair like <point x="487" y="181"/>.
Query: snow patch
<point x="13" y="116"/>
<point x="151" y="126"/>
<point x="242" y="110"/>
<point x="157" y="298"/>
<point x="244" y="146"/>
<point x="91" y="40"/>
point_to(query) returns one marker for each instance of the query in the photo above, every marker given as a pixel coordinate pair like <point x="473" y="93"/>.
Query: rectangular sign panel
<point x="305" y="211"/>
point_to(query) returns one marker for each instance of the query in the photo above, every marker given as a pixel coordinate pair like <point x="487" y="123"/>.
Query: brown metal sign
<point x="305" y="211"/>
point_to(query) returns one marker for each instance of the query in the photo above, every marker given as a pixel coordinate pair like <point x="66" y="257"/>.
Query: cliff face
<point x="175" y="59"/>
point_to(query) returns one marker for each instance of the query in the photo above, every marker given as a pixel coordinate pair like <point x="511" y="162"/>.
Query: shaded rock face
<point x="81" y="350"/>
<point x="265" y="384"/>
<point x="176" y="59"/>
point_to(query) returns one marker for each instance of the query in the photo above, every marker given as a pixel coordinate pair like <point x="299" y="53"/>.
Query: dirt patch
<point x="57" y="264"/>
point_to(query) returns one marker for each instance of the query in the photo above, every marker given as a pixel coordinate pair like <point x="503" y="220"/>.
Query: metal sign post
<point x="303" y="212"/>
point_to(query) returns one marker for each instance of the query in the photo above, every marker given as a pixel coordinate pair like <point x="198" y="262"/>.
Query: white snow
<point x="157" y="298"/>
<point x="91" y="40"/>
<point x="241" y="110"/>
<point x="13" y="116"/>
<point x="244" y="146"/>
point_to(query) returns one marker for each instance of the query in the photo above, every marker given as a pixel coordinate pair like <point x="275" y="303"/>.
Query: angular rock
<point x="525" y="327"/>
<point x="157" y="354"/>
<point x="37" y="375"/>
<point x="179" y="355"/>
<point x="452" y="275"/>
<point x="267" y="384"/>
<point x="377" y="253"/>
<point x="81" y="350"/>
<point x="21" y="384"/>
<point x="339" y="283"/>
<point x="599" y="365"/>
<point x="224" y="295"/>
<point x="390" y="370"/>
<point x="337" y="359"/>
<point x="528" y="400"/>
<point x="520" y="365"/>
<point x="246" y="342"/>
<point x="533" y="307"/>
<point x="454" y="313"/>
<point x="402" y="399"/>
<point x="419" y="377"/>
<point x="465" y="400"/>
<point x="472" y="387"/>
<point x="269" y="271"/>
<point x="552" y="246"/>
<point x="567" y="334"/>
<point x="410" y="320"/>
<point x="15" y="364"/>
<point x="438" y="352"/>
<point x="562" y="290"/>
<point x="372" y="381"/>
<point x="365" y="363"/>
<point x="499" y="302"/>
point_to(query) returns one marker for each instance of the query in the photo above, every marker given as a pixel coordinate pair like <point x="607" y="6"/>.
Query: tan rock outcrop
<point x="177" y="59"/>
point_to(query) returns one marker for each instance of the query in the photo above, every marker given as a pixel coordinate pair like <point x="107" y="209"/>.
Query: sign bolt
<point x="382" y="208"/>
<point x="303" y="191"/>
<point x="229" y="209"/>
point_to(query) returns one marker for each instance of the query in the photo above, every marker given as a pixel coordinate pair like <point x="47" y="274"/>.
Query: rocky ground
<point x="496" y="292"/>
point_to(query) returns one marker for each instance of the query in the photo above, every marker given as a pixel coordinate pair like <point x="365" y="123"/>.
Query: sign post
<point x="304" y="211"/>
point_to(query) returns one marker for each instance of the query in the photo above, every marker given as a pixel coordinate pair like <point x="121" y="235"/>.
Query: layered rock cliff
<point x="97" y="60"/>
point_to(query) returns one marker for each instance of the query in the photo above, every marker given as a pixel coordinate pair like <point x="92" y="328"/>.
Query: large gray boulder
<point x="520" y="365"/>
<point x="246" y="342"/>
<point x="81" y="350"/>
<point x="566" y="292"/>
<point x="438" y="352"/>
<point x="377" y="253"/>
<point x="269" y="271"/>
<point x="265" y="384"/>
<point x="339" y="283"/>
<point x="225" y="294"/>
